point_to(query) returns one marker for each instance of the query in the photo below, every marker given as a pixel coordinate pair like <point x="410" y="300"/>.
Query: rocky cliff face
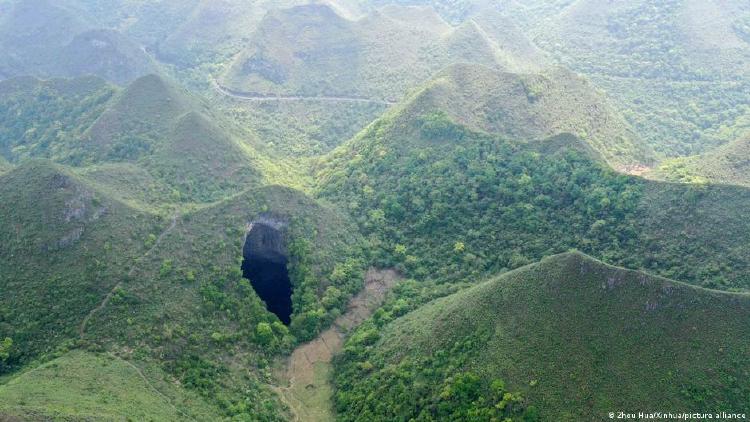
<point x="265" y="241"/>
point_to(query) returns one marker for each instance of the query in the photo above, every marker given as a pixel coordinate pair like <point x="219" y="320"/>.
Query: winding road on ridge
<point x="246" y="96"/>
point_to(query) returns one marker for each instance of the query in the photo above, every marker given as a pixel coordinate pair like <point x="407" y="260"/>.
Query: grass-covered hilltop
<point x="568" y="338"/>
<point x="374" y="210"/>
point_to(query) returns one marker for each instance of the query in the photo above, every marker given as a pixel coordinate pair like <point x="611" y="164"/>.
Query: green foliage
<point x="152" y="131"/>
<point x="302" y="129"/>
<point x="511" y="203"/>
<point x="46" y="119"/>
<point x="727" y="165"/>
<point x="5" y="347"/>
<point x="683" y="87"/>
<point x="431" y="387"/>
<point x="264" y="333"/>
<point x="64" y="243"/>
<point x="166" y="268"/>
<point x="85" y="385"/>
<point x="501" y="348"/>
<point x="378" y="58"/>
<point x="438" y="126"/>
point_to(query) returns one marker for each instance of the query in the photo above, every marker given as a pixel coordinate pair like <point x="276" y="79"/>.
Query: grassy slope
<point x="532" y="107"/>
<point x="577" y="337"/>
<point x="380" y="56"/>
<point x="87" y="386"/>
<point x="728" y="164"/>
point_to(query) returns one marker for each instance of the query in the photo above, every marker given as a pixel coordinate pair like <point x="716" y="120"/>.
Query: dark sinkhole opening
<point x="264" y="264"/>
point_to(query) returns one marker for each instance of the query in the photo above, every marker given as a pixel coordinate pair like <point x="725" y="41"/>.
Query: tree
<point x="5" y="346"/>
<point x="264" y="333"/>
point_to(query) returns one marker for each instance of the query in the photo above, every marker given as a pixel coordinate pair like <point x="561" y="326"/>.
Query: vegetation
<point x="573" y="339"/>
<point x="151" y="129"/>
<point x="174" y="295"/>
<point x="682" y="85"/>
<point x="124" y="209"/>
<point x="52" y="39"/>
<point x="65" y="246"/>
<point x="530" y="107"/>
<point x="293" y="130"/>
<point x="727" y="164"/>
<point x="379" y="57"/>
<point x="46" y="119"/>
<point x="459" y="203"/>
<point x="82" y="385"/>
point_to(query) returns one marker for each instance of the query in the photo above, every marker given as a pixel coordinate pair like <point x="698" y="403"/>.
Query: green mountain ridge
<point x="533" y="107"/>
<point x="441" y="200"/>
<point x="46" y="119"/>
<point x="51" y="39"/>
<point x="170" y="134"/>
<point x="728" y="164"/>
<point x="679" y="82"/>
<point x="65" y="245"/>
<point x="188" y="149"/>
<point x="153" y="154"/>
<point x="573" y="338"/>
<point x="134" y="271"/>
<point x="369" y="57"/>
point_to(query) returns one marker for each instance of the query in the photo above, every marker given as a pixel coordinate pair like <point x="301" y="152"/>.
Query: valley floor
<point x="306" y="373"/>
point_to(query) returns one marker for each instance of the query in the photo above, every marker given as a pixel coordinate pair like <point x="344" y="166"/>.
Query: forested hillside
<point x="65" y="245"/>
<point x="142" y="282"/>
<point x="355" y="210"/>
<point x="679" y="69"/>
<point x="568" y="338"/>
<point x="152" y="129"/>
<point x="444" y="201"/>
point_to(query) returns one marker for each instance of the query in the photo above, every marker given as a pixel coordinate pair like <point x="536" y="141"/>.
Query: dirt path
<point x="308" y="370"/>
<point x="105" y="301"/>
<point x="252" y="97"/>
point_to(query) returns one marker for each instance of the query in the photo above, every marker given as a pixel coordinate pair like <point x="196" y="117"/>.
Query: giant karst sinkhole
<point x="265" y="265"/>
